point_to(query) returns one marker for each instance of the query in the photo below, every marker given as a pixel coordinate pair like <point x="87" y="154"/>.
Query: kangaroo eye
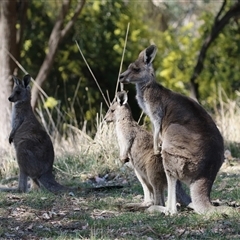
<point x="18" y="92"/>
<point x="112" y="110"/>
<point x="136" y="69"/>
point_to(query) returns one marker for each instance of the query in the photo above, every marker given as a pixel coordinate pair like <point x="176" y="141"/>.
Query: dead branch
<point x="217" y="27"/>
<point x="73" y="19"/>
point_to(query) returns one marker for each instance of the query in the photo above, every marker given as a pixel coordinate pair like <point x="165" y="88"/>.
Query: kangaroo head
<point x="140" y="71"/>
<point x="21" y="92"/>
<point x="119" y="109"/>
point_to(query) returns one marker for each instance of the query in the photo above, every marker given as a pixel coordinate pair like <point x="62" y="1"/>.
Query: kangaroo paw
<point x="157" y="208"/>
<point x="125" y="160"/>
<point x="157" y="152"/>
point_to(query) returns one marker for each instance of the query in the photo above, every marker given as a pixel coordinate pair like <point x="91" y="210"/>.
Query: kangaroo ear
<point x="16" y="80"/>
<point x="26" y="80"/>
<point x="149" y="54"/>
<point x="122" y="97"/>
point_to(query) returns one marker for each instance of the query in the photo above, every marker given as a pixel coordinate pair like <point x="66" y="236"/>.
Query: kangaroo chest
<point x="17" y="118"/>
<point x="13" y="116"/>
<point x="154" y="111"/>
<point x="143" y="104"/>
<point x="124" y="135"/>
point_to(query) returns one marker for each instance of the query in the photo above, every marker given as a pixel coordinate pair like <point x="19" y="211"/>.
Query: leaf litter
<point x="98" y="214"/>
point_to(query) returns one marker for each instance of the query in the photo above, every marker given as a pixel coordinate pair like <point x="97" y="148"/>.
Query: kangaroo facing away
<point x="192" y="146"/>
<point x="34" y="149"/>
<point x="136" y="146"/>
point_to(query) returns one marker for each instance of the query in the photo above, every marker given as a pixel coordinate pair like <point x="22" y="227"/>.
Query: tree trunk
<point x="58" y="33"/>
<point x="7" y="44"/>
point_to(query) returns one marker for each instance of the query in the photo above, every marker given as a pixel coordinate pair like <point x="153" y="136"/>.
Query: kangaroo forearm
<point x="14" y="129"/>
<point x="10" y="139"/>
<point x="124" y="153"/>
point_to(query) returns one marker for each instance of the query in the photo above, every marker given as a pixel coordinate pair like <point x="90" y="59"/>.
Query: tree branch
<point x="217" y="27"/>
<point x="58" y="25"/>
<point x="22" y="7"/>
<point x="220" y="11"/>
<point x="73" y="19"/>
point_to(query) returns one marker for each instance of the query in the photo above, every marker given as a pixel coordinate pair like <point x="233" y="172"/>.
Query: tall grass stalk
<point x="90" y="70"/>
<point x="120" y="68"/>
<point x="227" y="117"/>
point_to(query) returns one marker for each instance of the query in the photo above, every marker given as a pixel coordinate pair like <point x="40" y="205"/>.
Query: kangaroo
<point x="192" y="146"/>
<point x="34" y="149"/>
<point x="136" y="146"/>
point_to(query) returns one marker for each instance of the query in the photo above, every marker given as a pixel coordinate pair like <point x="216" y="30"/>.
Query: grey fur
<point x="192" y="146"/>
<point x="34" y="149"/>
<point x="136" y="146"/>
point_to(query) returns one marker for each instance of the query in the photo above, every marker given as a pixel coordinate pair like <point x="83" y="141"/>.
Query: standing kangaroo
<point x="34" y="149"/>
<point x="136" y="145"/>
<point x="192" y="146"/>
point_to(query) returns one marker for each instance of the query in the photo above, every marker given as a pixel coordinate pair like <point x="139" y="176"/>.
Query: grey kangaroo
<point x="192" y="146"/>
<point x="136" y="146"/>
<point x="34" y="149"/>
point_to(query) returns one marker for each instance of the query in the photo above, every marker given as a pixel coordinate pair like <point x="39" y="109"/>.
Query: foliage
<point x="176" y="51"/>
<point x="222" y="64"/>
<point x="179" y="49"/>
<point x="100" y="31"/>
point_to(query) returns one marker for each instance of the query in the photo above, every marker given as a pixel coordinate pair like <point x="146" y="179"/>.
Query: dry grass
<point x="102" y="149"/>
<point x="99" y="215"/>
<point x="227" y="118"/>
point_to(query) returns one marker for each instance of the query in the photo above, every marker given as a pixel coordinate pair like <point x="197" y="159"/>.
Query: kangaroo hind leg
<point x="35" y="185"/>
<point x="147" y="190"/>
<point x="22" y="182"/>
<point x="200" y="194"/>
<point x="182" y="197"/>
<point x="157" y="179"/>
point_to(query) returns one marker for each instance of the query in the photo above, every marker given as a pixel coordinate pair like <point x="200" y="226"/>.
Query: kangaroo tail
<point x="182" y="197"/>
<point x="48" y="181"/>
<point x="14" y="190"/>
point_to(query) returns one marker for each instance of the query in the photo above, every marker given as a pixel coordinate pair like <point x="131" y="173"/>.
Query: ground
<point x="100" y="214"/>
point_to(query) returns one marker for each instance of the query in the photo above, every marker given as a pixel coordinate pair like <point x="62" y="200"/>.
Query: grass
<point x="100" y="215"/>
<point x="86" y="162"/>
<point x="89" y="214"/>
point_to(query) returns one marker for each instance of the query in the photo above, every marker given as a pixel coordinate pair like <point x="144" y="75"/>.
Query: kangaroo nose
<point x="121" y="78"/>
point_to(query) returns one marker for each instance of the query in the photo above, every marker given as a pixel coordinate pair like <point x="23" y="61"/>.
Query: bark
<point x="7" y="44"/>
<point x="58" y="33"/>
<point x="21" y="18"/>
<point x="217" y="27"/>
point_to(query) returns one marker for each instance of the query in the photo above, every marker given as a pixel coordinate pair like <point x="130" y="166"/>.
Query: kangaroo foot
<point x="157" y="208"/>
<point x="137" y="206"/>
<point x="157" y="152"/>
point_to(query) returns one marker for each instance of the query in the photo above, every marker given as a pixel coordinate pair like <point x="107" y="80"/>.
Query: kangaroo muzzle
<point x="10" y="99"/>
<point x="123" y="79"/>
